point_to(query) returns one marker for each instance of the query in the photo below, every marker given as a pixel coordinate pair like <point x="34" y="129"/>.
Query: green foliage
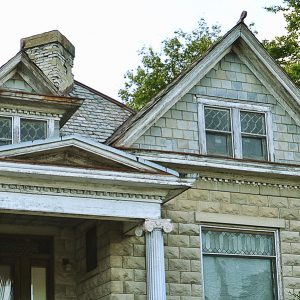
<point x="285" y="49"/>
<point x="158" y="69"/>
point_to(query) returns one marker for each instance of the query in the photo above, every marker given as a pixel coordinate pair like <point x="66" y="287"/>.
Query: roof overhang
<point x="61" y="105"/>
<point x="200" y="163"/>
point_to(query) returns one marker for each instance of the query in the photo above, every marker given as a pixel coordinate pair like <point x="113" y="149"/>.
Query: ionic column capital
<point x="150" y="224"/>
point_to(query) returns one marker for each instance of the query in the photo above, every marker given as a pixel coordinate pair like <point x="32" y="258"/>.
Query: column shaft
<point x="155" y="264"/>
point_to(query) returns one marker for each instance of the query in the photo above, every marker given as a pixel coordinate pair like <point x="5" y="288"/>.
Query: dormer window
<point x="16" y="129"/>
<point x="33" y="130"/>
<point x="5" y="131"/>
<point x="235" y="130"/>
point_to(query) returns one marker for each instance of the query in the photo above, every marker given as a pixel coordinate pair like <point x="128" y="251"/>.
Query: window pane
<point x="219" y="144"/>
<point x="38" y="283"/>
<point x="6" y="283"/>
<point x="253" y="123"/>
<point x="217" y="119"/>
<point x="239" y="243"/>
<point x="33" y="130"/>
<point x="234" y="278"/>
<point x="254" y="147"/>
<point x="5" y="131"/>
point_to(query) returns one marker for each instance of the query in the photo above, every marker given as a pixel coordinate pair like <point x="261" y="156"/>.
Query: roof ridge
<point x="105" y="96"/>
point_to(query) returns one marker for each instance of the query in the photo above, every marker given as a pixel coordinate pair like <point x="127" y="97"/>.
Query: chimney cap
<point x="45" y="38"/>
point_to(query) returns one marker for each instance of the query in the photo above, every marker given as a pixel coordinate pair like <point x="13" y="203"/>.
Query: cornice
<point x="14" y="111"/>
<point x="249" y="182"/>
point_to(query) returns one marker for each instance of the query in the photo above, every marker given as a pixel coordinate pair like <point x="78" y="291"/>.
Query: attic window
<point x="15" y="129"/>
<point x="235" y="130"/>
<point x="33" y="130"/>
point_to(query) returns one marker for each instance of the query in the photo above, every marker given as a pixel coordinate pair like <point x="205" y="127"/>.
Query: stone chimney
<point x="53" y="53"/>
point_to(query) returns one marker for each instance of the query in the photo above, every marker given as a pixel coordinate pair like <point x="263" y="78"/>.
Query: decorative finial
<point x="242" y="17"/>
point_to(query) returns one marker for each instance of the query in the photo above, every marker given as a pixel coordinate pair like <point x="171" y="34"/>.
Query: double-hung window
<point x="239" y="264"/>
<point x="235" y="130"/>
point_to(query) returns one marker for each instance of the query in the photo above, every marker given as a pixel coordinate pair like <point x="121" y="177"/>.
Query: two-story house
<point x="196" y="196"/>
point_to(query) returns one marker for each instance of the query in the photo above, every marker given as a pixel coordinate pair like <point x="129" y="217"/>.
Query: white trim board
<point x="76" y="207"/>
<point x="220" y="164"/>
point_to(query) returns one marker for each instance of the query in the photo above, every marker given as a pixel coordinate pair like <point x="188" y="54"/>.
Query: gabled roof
<point x="76" y="151"/>
<point x="32" y="74"/>
<point x="240" y="40"/>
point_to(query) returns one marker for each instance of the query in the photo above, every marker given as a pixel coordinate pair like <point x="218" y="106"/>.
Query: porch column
<point x="155" y="259"/>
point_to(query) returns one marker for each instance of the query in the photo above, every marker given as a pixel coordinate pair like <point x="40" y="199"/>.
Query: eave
<point x="52" y="103"/>
<point x="200" y="163"/>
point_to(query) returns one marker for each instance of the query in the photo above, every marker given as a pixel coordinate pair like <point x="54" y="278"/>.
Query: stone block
<point x="209" y="207"/>
<point x="181" y="216"/>
<point x="290" y="260"/>
<point x="172" y="277"/>
<point x="239" y="198"/>
<point x="197" y="290"/>
<point x="179" y="265"/>
<point x="194" y="241"/>
<point x="278" y="201"/>
<point x="189" y="229"/>
<point x="294" y="225"/>
<point x="197" y="194"/>
<point x="291" y="282"/>
<point x="135" y="287"/>
<point x="133" y="262"/>
<point x="186" y="205"/>
<point x="140" y="275"/>
<point x="122" y="274"/>
<point x="289" y="214"/>
<point x="269" y="212"/>
<point x="289" y="236"/>
<point x="249" y="210"/>
<point x="195" y="266"/>
<point x="219" y="196"/>
<point x="190" y="277"/>
<point x="171" y="252"/>
<point x="189" y="253"/>
<point x="180" y="289"/>
<point x="233" y="209"/>
<point x="178" y="240"/>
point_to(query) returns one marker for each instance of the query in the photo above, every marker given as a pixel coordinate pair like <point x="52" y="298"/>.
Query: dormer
<point x="33" y="87"/>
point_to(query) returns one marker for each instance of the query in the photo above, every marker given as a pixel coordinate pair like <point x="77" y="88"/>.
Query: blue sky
<point x="108" y="33"/>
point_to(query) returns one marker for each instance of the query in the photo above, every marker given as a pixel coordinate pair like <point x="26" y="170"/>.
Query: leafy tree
<point x="285" y="49"/>
<point x="158" y="69"/>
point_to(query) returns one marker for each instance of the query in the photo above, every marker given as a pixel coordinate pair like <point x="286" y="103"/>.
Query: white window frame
<point x="235" y="109"/>
<point x="16" y="125"/>
<point x="275" y="233"/>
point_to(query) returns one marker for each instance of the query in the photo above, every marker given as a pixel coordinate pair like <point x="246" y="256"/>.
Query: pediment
<point x="21" y="74"/>
<point x="78" y="152"/>
<point x="73" y="156"/>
